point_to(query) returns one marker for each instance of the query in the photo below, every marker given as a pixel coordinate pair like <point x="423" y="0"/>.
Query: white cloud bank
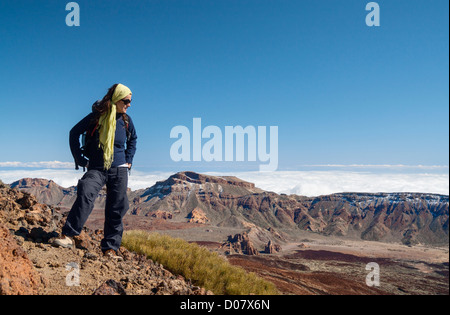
<point x="380" y="166"/>
<point x="45" y="164"/>
<point x="307" y="183"/>
<point x="67" y="178"/>
<point x="315" y="183"/>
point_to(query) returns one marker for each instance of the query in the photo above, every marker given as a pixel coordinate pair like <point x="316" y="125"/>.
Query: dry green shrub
<point x="204" y="268"/>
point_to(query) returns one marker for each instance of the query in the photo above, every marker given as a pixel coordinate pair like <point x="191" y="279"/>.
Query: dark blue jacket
<point x="124" y="149"/>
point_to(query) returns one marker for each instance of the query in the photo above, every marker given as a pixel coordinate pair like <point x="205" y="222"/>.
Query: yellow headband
<point x="120" y="93"/>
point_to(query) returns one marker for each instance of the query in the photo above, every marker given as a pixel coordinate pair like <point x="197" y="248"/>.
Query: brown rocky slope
<point x="30" y="265"/>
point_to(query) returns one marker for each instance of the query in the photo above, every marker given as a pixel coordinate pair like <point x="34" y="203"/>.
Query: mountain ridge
<point x="227" y="201"/>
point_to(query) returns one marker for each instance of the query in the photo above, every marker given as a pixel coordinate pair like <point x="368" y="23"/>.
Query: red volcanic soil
<point x="325" y="255"/>
<point x="297" y="279"/>
<point x="321" y="272"/>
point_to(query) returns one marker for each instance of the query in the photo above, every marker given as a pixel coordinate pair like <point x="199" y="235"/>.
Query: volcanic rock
<point x="17" y="275"/>
<point x="272" y="248"/>
<point x="29" y="264"/>
<point x="198" y="216"/>
<point x="239" y="244"/>
<point x="110" y="287"/>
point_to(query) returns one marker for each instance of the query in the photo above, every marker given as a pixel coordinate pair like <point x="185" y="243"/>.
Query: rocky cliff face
<point x="409" y="217"/>
<point x="405" y="217"/>
<point x="229" y="201"/>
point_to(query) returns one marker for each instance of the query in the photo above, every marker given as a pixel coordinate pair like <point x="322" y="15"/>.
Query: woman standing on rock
<point x="110" y="145"/>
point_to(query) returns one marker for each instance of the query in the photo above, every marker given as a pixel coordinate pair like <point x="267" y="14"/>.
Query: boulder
<point x="110" y="287"/>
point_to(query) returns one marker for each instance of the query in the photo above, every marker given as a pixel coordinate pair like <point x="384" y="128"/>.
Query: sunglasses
<point x="126" y="102"/>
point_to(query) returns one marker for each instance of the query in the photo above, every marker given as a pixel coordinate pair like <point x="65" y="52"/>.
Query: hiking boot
<point x="63" y="241"/>
<point x="111" y="253"/>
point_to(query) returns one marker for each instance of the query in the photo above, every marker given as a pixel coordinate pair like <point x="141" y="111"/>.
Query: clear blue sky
<point x="339" y="91"/>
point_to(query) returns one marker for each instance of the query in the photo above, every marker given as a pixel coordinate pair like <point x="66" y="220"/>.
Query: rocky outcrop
<point x="198" y="216"/>
<point x="22" y="209"/>
<point x="30" y="265"/>
<point x="272" y="248"/>
<point x="239" y="244"/>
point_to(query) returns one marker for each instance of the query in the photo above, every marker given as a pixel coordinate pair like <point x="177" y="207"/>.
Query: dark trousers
<point x="116" y="181"/>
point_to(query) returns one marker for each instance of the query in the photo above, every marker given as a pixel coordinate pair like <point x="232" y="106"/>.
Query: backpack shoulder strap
<point x="126" y="120"/>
